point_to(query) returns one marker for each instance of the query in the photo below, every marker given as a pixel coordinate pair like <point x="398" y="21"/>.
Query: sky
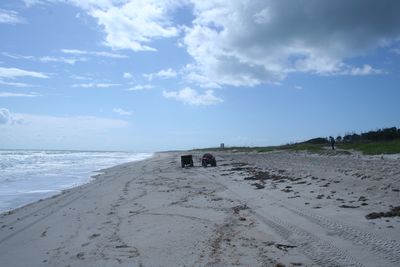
<point x="179" y="74"/>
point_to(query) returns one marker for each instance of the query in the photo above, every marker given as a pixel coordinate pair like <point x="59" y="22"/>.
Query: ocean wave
<point x="44" y="172"/>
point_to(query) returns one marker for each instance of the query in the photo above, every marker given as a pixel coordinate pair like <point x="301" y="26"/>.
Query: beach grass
<point x="262" y="149"/>
<point x="374" y="148"/>
<point x="239" y="149"/>
<point x="367" y="148"/>
<point x="313" y="148"/>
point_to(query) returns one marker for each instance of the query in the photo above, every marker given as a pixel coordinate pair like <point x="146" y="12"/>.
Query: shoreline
<point x="251" y="210"/>
<point x="90" y="177"/>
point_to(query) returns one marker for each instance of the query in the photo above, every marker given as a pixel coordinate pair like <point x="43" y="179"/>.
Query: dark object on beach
<point x="258" y="186"/>
<point x="208" y="159"/>
<point x="284" y="247"/>
<point x="395" y="211"/>
<point x="187" y="160"/>
<point x="348" y="206"/>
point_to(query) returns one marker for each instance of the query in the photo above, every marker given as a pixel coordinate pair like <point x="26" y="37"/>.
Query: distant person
<point x="332" y="140"/>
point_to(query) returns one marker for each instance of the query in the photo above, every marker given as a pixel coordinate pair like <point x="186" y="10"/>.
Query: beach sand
<point x="288" y="208"/>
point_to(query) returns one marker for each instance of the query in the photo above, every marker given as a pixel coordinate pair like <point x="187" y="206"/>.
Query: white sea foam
<point x="27" y="176"/>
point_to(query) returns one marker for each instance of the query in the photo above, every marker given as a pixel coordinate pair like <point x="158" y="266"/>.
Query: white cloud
<point x="127" y="75"/>
<point x="5" y="116"/>
<point x="15" y="84"/>
<point x="163" y="74"/>
<point x="10" y="17"/>
<point x="74" y="51"/>
<point x="140" y="87"/>
<point x="70" y="61"/>
<point x="12" y="73"/>
<point x="251" y="42"/>
<point x="344" y="69"/>
<point x="9" y="94"/>
<point x="92" y="53"/>
<point x="95" y="85"/>
<point x="45" y="59"/>
<point x="133" y="25"/>
<point x="168" y="73"/>
<point x="130" y="24"/>
<point x="16" y="56"/>
<point x="122" y="112"/>
<point x="94" y="4"/>
<point x="80" y="77"/>
<point x="108" y="54"/>
<point x="29" y="3"/>
<point x="192" y="73"/>
<point x="298" y="87"/>
<point x="365" y="70"/>
<point x="246" y="43"/>
<point x="192" y="97"/>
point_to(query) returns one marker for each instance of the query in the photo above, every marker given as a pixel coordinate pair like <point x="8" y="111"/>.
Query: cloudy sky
<point x="176" y="74"/>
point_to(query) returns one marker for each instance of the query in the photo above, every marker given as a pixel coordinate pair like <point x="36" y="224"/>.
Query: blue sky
<point x="179" y="74"/>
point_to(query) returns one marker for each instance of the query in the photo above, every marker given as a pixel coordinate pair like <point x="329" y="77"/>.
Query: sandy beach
<point x="266" y="209"/>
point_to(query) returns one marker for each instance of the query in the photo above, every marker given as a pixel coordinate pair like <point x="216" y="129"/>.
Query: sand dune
<point x="293" y="209"/>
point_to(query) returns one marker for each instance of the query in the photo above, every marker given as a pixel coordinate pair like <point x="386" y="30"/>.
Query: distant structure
<point x="222" y="146"/>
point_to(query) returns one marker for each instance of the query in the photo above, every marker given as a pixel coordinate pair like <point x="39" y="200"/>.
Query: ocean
<point x="29" y="175"/>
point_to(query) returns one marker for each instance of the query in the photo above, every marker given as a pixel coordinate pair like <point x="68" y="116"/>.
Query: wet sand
<point x="295" y="209"/>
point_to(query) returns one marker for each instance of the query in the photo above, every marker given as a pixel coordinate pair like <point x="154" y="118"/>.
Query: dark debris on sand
<point x="259" y="176"/>
<point x="348" y="206"/>
<point x="395" y="211"/>
<point x="264" y="175"/>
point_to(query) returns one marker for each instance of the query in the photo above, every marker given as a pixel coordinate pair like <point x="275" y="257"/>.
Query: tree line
<point x="384" y="134"/>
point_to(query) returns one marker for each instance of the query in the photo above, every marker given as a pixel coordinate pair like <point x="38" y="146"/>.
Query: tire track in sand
<point x="322" y="252"/>
<point x="386" y="249"/>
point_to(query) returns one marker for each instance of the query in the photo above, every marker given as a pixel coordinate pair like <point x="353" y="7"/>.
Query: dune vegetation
<point x="382" y="141"/>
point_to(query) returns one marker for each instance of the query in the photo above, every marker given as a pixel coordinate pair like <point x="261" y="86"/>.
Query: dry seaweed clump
<point x="264" y="175"/>
<point x="395" y="211"/>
